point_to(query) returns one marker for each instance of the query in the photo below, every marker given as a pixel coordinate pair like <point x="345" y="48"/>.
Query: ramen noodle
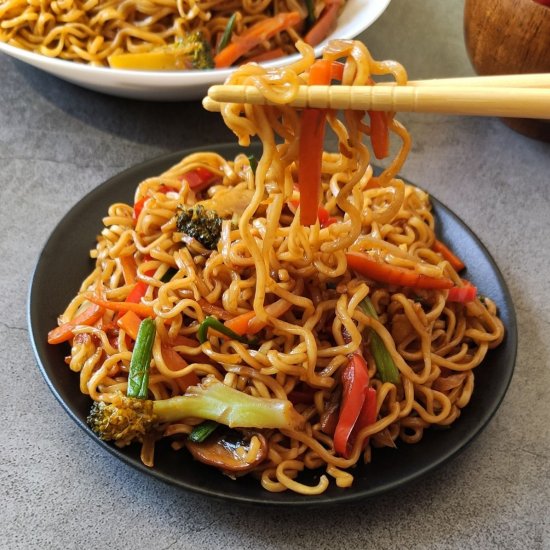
<point x="354" y="330"/>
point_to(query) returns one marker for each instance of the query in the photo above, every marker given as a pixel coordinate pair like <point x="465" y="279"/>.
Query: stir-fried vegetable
<point x="138" y="375"/>
<point x="324" y="25"/>
<point x="379" y="134"/>
<point x="191" y="52"/>
<point x="199" y="178"/>
<point x="202" y="431"/>
<point x="129" y="323"/>
<point x="91" y="315"/>
<point x="462" y="294"/>
<point x="142" y="310"/>
<point x="202" y="225"/>
<point x="230" y="451"/>
<point x="394" y="275"/>
<point x="128" y="419"/>
<point x="228" y="31"/>
<point x="385" y="365"/>
<point x="255" y="35"/>
<point x="312" y="137"/>
<point x="248" y="323"/>
<point x="448" y="255"/>
<point x="213" y="323"/>
<point x="310" y="6"/>
<point x="356" y="410"/>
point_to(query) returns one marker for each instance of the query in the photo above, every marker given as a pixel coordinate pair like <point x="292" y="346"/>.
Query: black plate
<point x="64" y="263"/>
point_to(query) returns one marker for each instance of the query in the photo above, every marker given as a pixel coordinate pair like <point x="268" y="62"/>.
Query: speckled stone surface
<point x="60" y="490"/>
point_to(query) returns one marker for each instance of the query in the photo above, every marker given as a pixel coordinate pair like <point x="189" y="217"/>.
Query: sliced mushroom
<point x="329" y="418"/>
<point x="230" y="451"/>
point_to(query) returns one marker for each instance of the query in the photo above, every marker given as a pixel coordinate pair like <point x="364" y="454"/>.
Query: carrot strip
<point x="394" y="275"/>
<point x="379" y="134"/>
<point x="141" y="309"/>
<point x="448" y="255"/>
<point x="248" y="323"/>
<point x="239" y="324"/>
<point x="88" y="317"/>
<point x="310" y="153"/>
<point x="129" y="323"/>
<point x="324" y="25"/>
<point x="128" y="265"/>
<point x="175" y="362"/>
<point x="258" y="33"/>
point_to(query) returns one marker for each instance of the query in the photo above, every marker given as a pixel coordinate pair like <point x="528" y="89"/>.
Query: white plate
<point x="176" y="86"/>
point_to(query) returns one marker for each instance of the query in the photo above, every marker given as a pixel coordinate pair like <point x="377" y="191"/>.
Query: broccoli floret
<point x="203" y="225"/>
<point x="124" y="420"/>
<point x="128" y="419"/>
<point x="198" y="50"/>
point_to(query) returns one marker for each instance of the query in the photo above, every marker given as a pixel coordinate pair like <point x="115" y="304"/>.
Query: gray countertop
<point x="60" y="490"/>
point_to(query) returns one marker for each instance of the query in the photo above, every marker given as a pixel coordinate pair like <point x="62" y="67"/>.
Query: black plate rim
<point x="349" y="495"/>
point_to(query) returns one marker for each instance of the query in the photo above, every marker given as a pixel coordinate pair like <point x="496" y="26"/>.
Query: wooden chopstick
<point x="538" y="80"/>
<point x="525" y="96"/>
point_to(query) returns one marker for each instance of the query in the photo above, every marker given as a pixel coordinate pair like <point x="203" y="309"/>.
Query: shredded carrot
<point x="128" y="265"/>
<point x="129" y="323"/>
<point x="379" y="134"/>
<point x="248" y="323"/>
<point x="239" y="324"/>
<point x="448" y="255"/>
<point x="258" y="33"/>
<point x="175" y="362"/>
<point x="88" y="317"/>
<point x="324" y="25"/>
<point x="310" y="154"/>
<point x="141" y="309"/>
<point x="392" y="274"/>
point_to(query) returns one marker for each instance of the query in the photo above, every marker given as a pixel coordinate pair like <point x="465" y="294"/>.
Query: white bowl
<point x="176" y="86"/>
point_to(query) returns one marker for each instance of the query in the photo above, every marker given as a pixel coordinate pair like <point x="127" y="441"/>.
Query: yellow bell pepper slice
<point x="156" y="60"/>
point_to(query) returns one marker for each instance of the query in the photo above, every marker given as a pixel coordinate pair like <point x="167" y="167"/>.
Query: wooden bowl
<point x="510" y="37"/>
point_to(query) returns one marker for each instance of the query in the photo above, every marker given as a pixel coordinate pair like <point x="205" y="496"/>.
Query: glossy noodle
<point x="300" y="297"/>
<point x="93" y="31"/>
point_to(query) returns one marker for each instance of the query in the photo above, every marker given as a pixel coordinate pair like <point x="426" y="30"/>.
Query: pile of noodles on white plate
<point x="166" y="34"/>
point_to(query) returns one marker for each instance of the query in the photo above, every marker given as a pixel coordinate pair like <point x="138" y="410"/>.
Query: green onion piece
<point x="138" y="376"/>
<point x="202" y="431"/>
<point x="253" y="163"/>
<point x="212" y="322"/>
<point x="385" y="365"/>
<point x="168" y="275"/>
<point x="226" y="36"/>
<point x="310" y="13"/>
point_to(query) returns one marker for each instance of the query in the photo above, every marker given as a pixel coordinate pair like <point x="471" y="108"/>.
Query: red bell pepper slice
<point x="199" y="178"/>
<point x="138" y="206"/>
<point x="394" y="275"/>
<point x="462" y="294"/>
<point x="367" y="416"/>
<point x="355" y="383"/>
